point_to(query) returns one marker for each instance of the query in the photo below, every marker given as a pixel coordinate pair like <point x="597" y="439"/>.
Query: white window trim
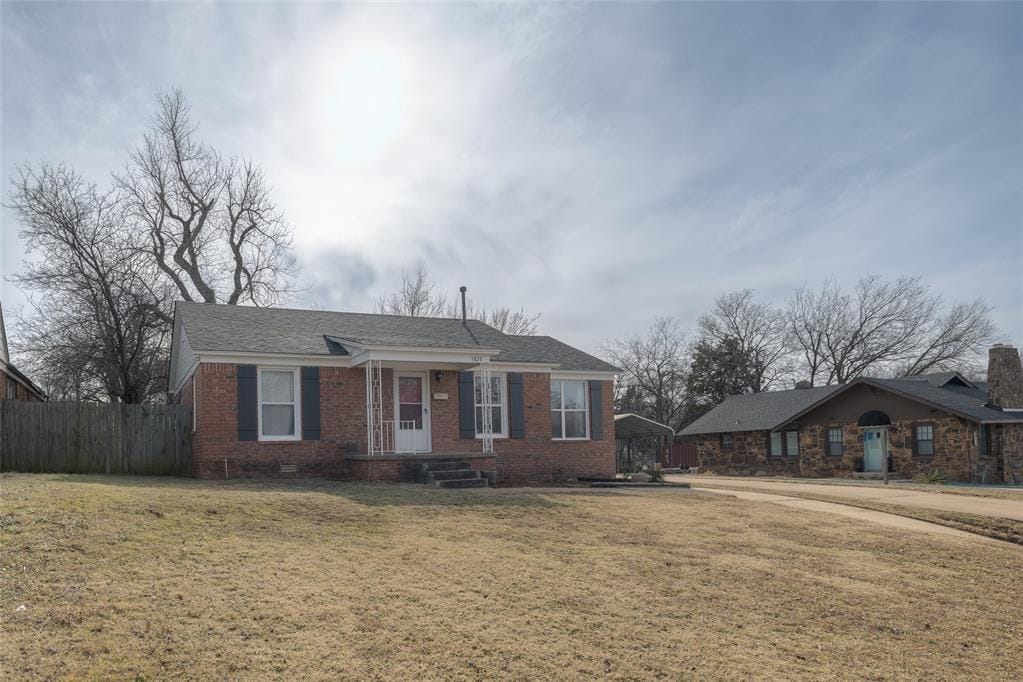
<point x="585" y="410"/>
<point x="504" y="405"/>
<point x="297" y="383"/>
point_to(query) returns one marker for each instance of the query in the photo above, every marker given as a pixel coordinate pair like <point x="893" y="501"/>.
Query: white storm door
<point x="412" y="412"/>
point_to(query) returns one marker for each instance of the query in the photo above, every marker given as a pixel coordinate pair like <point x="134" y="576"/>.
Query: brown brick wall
<point x="343" y="429"/>
<point x="21" y="391"/>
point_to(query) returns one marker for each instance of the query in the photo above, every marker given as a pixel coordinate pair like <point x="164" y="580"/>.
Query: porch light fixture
<point x="438" y="375"/>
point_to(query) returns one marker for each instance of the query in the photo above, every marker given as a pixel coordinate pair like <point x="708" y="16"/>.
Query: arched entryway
<point x="874" y="425"/>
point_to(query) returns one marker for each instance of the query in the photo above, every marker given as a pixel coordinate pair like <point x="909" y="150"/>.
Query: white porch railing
<point x="382" y="434"/>
<point x="486" y="404"/>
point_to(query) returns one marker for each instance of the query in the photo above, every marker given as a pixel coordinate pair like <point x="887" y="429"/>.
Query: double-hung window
<point x="784" y="444"/>
<point x="278" y="404"/>
<point x="568" y="410"/>
<point x="835" y="441"/>
<point x="925" y="439"/>
<point x="498" y="423"/>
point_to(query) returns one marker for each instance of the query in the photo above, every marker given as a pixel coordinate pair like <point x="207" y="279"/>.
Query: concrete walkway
<point x="890" y="520"/>
<point x="981" y="506"/>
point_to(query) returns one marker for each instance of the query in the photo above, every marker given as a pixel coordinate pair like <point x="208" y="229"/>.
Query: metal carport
<point x="629" y="427"/>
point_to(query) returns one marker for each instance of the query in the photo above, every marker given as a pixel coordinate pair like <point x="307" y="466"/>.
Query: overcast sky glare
<point x="601" y="164"/>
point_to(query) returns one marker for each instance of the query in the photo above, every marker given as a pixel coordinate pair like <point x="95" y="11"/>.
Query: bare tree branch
<point x="758" y="332"/>
<point x="101" y="324"/>
<point x="655" y="367"/>
<point x="210" y="225"/>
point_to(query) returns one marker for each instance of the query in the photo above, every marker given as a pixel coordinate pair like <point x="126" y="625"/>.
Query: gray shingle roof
<point x="938" y="379"/>
<point x="771" y="409"/>
<point x="227" y="328"/>
<point x="967" y="402"/>
<point x="757" y="411"/>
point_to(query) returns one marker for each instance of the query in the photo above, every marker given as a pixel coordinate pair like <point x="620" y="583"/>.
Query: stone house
<point x="971" y="431"/>
<point x="14" y="385"/>
<point x="379" y="397"/>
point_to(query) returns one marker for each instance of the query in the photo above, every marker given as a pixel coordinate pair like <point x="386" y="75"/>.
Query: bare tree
<point x="758" y="332"/>
<point x="884" y="328"/>
<point x="504" y="319"/>
<point x="102" y="314"/>
<point x="812" y="318"/>
<point x="955" y="340"/>
<point x="207" y="223"/>
<point x="419" y="297"/>
<point x="654" y="368"/>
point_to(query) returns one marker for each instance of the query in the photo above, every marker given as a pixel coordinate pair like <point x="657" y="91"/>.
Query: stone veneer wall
<point x="1008" y="446"/>
<point x="953" y="451"/>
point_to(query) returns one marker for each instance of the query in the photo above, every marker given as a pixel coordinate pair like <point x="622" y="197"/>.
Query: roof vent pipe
<point x="462" y="289"/>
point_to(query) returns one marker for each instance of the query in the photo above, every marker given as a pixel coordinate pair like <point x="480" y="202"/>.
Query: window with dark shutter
<point x="596" y="410"/>
<point x="516" y="406"/>
<point x="466" y="406"/>
<point x="248" y="408"/>
<point x="310" y="403"/>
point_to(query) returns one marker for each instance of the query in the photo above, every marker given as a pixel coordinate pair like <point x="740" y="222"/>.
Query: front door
<point x="873" y="449"/>
<point x="412" y="412"/>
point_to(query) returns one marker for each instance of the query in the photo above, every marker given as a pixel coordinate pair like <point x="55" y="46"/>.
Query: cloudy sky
<point x="599" y="164"/>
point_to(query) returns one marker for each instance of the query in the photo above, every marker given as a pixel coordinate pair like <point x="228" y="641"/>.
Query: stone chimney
<point x="1004" y="377"/>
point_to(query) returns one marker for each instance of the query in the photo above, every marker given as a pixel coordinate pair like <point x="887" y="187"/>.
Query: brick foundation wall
<point x="953" y="451"/>
<point x="534" y="458"/>
<point x="400" y="471"/>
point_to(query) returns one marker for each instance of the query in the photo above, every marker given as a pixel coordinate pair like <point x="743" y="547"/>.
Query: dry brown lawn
<point x="156" y="578"/>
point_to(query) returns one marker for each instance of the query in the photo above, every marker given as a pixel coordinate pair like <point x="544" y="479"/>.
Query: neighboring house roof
<point x="941" y="379"/>
<point x="11" y="370"/>
<point x="243" y="329"/>
<point x="772" y="409"/>
<point x="630" y="425"/>
<point x="757" y="411"/>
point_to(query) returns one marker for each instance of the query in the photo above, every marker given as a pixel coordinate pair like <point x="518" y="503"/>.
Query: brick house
<point x="14" y="385"/>
<point x="379" y="397"/>
<point x="971" y="431"/>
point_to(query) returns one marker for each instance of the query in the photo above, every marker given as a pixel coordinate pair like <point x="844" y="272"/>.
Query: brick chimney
<point x="1004" y="377"/>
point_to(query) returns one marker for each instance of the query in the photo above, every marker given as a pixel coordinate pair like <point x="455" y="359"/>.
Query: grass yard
<point x="155" y="578"/>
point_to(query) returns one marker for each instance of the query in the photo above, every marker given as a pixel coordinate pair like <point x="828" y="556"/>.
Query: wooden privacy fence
<point x="679" y="456"/>
<point x="95" y="438"/>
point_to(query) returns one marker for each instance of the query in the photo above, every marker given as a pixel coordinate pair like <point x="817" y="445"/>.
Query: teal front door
<point x="873" y="449"/>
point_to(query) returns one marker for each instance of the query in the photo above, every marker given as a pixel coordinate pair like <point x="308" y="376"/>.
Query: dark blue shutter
<point x="248" y="410"/>
<point x="310" y="403"/>
<point x="466" y="406"/>
<point x="516" y="408"/>
<point x="596" y="410"/>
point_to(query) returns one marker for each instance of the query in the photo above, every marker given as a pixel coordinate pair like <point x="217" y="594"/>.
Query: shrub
<point x="932" y="477"/>
<point x="656" y="476"/>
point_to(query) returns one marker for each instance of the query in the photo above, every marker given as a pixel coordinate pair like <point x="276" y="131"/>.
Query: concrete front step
<point x="451" y="475"/>
<point x="462" y="483"/>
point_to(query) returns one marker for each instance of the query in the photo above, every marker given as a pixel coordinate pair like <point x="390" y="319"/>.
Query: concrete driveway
<point x="966" y="504"/>
<point x="882" y="518"/>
